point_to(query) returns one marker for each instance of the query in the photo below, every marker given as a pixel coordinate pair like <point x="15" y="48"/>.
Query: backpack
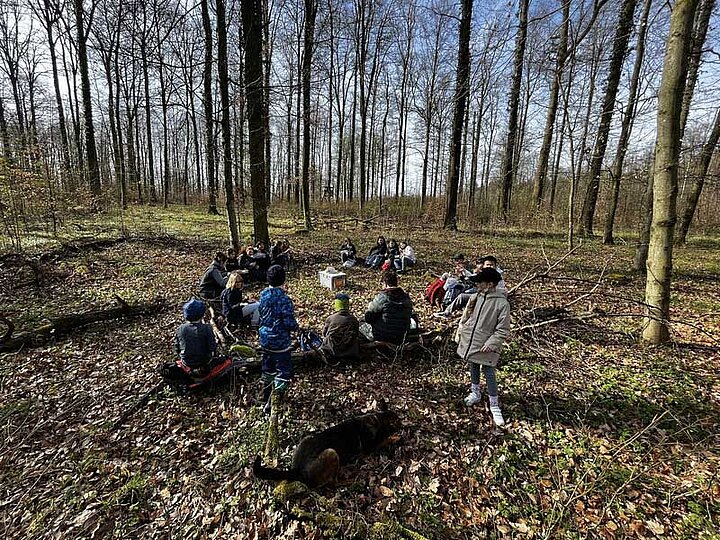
<point x="435" y="292"/>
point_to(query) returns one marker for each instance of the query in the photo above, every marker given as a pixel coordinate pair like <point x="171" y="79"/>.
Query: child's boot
<point x="496" y="412"/>
<point x="475" y="395"/>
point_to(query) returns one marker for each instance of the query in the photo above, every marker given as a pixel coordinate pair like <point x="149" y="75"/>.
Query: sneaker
<point x="440" y="315"/>
<point x="497" y="415"/>
<point x="473" y="398"/>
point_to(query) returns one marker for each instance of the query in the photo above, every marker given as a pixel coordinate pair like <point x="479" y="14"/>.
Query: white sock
<point x="494" y="401"/>
<point x="475" y="388"/>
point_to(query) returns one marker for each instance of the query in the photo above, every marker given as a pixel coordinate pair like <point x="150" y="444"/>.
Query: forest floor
<point x="606" y="437"/>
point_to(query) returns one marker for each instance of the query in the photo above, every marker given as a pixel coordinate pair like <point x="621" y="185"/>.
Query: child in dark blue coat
<point x="194" y="340"/>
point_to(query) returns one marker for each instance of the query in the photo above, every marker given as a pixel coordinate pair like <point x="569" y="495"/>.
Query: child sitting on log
<point x="194" y="340"/>
<point x="340" y="334"/>
<point x="234" y="309"/>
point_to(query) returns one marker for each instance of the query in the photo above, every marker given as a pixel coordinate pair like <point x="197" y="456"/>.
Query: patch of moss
<point x="286" y="491"/>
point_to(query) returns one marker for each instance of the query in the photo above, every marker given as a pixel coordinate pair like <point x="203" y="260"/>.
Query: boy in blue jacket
<point x="277" y="320"/>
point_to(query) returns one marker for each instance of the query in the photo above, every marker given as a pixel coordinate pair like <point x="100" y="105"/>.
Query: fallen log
<point x="61" y="326"/>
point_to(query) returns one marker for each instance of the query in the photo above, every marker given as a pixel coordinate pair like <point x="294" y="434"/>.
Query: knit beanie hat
<point x="275" y="275"/>
<point x="342" y="302"/>
<point x="487" y="275"/>
<point x="194" y="309"/>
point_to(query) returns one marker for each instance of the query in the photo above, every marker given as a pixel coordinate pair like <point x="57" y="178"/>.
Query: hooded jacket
<point x="485" y="321"/>
<point x="213" y="281"/>
<point x="341" y="336"/>
<point x="389" y="315"/>
<point x="277" y="320"/>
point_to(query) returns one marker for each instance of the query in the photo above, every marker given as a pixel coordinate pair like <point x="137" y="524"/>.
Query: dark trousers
<point x="277" y="369"/>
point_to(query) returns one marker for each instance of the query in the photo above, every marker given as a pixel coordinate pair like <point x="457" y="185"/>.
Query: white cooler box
<point x="332" y="279"/>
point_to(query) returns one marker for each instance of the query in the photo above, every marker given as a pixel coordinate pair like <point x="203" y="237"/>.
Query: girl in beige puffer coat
<point x="483" y="328"/>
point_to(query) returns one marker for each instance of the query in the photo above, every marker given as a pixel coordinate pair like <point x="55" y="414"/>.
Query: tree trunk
<point x="627" y="125"/>
<point x="90" y="148"/>
<point x="699" y="33"/>
<point x="148" y="115"/>
<point x="208" y="109"/>
<point x="667" y="151"/>
<point x="462" y="89"/>
<point x="508" y="171"/>
<point x="310" y="13"/>
<point x="696" y="188"/>
<point x="267" y="59"/>
<point x="224" y="82"/>
<point x="617" y="57"/>
<point x="253" y="44"/>
<point x="49" y="22"/>
<point x="544" y="156"/>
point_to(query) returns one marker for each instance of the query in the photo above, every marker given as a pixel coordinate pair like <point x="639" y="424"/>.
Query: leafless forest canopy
<point x="126" y="101"/>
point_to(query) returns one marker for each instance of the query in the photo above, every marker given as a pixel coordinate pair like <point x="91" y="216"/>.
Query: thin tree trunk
<point x="253" y="44"/>
<point x="310" y="13"/>
<point x="627" y="125"/>
<point x="462" y="89"/>
<point x="90" y="148"/>
<point x="49" y="22"/>
<point x="544" y="156"/>
<point x="667" y="151"/>
<point x="696" y="188"/>
<point x="148" y="115"/>
<point x="697" y="43"/>
<point x="208" y="109"/>
<point x="224" y="82"/>
<point x="508" y="171"/>
<point x="617" y="57"/>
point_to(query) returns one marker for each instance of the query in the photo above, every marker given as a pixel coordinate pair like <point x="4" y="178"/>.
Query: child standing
<point x="484" y="327"/>
<point x="277" y="320"/>
<point x="233" y="308"/>
<point x="194" y="340"/>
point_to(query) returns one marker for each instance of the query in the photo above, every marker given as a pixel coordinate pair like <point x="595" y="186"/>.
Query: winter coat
<point x="195" y="344"/>
<point x="277" y="319"/>
<point x="485" y="321"/>
<point x="232" y="302"/>
<point x="389" y="315"/>
<point x="378" y="249"/>
<point x="341" y="336"/>
<point x="232" y="264"/>
<point x="409" y="252"/>
<point x="213" y="281"/>
<point x="348" y="249"/>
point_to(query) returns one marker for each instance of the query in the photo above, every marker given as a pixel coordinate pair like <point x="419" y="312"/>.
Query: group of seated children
<point x="483" y="328"/>
<point x="223" y="281"/>
<point x="387" y="318"/>
<point x="386" y="255"/>
<point x="254" y="261"/>
<point x="457" y="287"/>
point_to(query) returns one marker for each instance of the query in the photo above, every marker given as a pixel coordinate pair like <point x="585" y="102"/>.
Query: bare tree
<point x="310" y="14"/>
<point x="462" y="89"/>
<point x="667" y="151"/>
<point x="90" y="148"/>
<point x="509" y="158"/>
<point x="627" y="125"/>
<point x="617" y="58"/>
<point x="253" y="44"/>
<point x="224" y="82"/>
<point x="696" y="187"/>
